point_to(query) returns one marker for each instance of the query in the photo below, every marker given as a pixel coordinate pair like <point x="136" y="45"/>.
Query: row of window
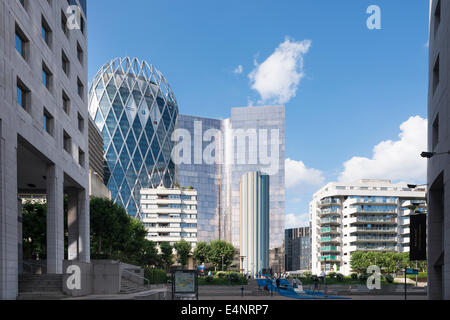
<point x="22" y="47"/>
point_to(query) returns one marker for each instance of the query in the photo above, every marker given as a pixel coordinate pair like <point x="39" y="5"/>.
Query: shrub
<point x="340" y="277"/>
<point x="389" y="278"/>
<point x="354" y="276"/>
<point x="307" y="274"/>
<point x="363" y="277"/>
<point x="332" y="275"/>
<point x="155" y="276"/>
<point x="220" y="274"/>
<point x="209" y="279"/>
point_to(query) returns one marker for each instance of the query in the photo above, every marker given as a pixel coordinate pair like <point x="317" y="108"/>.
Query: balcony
<point x="372" y="230"/>
<point x="331" y="221"/>
<point x="329" y="202"/>
<point x="371" y="201"/>
<point x="372" y="211"/>
<point x="330" y="258"/>
<point x="330" y="212"/>
<point x="330" y="239"/>
<point x="405" y="231"/>
<point x="371" y="220"/>
<point x="414" y="203"/>
<point x="405" y="222"/>
<point x="375" y="248"/>
<point x="331" y="230"/>
<point x="358" y="238"/>
<point x="330" y="249"/>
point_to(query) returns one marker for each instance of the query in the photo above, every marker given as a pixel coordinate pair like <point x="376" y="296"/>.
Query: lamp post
<point x="430" y="155"/>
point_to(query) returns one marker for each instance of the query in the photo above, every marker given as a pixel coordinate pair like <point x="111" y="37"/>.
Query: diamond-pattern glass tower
<point x="136" y="111"/>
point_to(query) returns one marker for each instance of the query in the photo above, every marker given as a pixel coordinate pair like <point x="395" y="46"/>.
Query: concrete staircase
<point x="40" y="287"/>
<point x="129" y="287"/>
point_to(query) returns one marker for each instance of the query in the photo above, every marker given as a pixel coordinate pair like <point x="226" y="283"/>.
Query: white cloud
<point x="296" y="174"/>
<point x="395" y="160"/>
<point x="239" y="69"/>
<point x="295" y="221"/>
<point x="278" y="77"/>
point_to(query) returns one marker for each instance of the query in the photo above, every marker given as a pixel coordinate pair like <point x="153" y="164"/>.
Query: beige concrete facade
<point x="42" y="147"/>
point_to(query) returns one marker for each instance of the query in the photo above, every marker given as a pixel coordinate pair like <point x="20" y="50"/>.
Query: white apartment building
<point x="170" y="214"/>
<point x="369" y="215"/>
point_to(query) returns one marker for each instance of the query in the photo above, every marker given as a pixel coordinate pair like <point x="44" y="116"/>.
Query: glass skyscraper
<point x="245" y="139"/>
<point x="136" y="111"/>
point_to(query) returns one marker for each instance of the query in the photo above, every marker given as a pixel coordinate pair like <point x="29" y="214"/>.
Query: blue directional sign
<point x="412" y="271"/>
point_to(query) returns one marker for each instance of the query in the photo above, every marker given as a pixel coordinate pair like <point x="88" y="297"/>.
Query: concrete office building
<point x="297" y="245"/>
<point x="369" y="215"/>
<point x="170" y="215"/>
<point x="253" y="139"/>
<point x="254" y="220"/>
<point x="136" y="111"/>
<point x="438" y="141"/>
<point x="43" y="131"/>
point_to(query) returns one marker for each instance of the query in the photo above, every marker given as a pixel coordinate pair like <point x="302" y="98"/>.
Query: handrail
<point x="138" y="276"/>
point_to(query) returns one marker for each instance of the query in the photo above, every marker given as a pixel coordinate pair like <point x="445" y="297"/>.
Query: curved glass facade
<point x="136" y="111"/>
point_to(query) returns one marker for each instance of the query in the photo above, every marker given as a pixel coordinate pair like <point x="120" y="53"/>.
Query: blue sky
<point x="358" y="86"/>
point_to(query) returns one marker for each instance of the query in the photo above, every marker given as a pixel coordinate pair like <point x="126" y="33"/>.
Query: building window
<point x="435" y="132"/>
<point x="21" y="43"/>
<point x="46" y="32"/>
<point x="80" y="88"/>
<point x="23" y="95"/>
<point x="80" y="53"/>
<point x="64" y="23"/>
<point x="81" y="158"/>
<point x="80" y="123"/>
<point x="66" y="103"/>
<point x="23" y="3"/>
<point x="48" y="122"/>
<point x="46" y="77"/>
<point x="82" y="25"/>
<point x="437" y="17"/>
<point x="67" y="142"/>
<point x="65" y="63"/>
<point x="436" y="75"/>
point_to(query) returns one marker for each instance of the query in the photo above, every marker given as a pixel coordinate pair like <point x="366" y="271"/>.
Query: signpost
<point x="185" y="285"/>
<point x="410" y="271"/>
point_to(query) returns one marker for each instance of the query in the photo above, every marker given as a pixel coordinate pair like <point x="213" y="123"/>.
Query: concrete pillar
<point x="72" y="224"/>
<point x="83" y="227"/>
<point x="20" y="234"/>
<point x="55" y="219"/>
<point x="8" y="214"/>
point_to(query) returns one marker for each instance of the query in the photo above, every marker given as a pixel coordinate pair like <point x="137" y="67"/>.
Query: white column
<point x="55" y="219"/>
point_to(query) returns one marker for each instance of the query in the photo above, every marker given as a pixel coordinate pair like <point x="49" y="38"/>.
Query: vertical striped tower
<point x="254" y="233"/>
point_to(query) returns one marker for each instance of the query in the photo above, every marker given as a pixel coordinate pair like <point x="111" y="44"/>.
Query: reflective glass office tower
<point x="136" y="111"/>
<point x="253" y="139"/>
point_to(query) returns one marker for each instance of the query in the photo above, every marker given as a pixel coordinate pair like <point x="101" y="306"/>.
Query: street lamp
<point x="430" y="155"/>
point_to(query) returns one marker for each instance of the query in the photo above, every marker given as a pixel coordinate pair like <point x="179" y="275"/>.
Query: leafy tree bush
<point x="155" y="276"/>
<point x="363" y="277"/>
<point x="340" y="277"/>
<point x="354" y="276"/>
<point x="389" y="278"/>
<point x="166" y="254"/>
<point x="201" y="252"/>
<point x="183" y="249"/>
<point x="332" y="275"/>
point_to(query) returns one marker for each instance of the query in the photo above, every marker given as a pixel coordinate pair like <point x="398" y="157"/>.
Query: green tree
<point x="221" y="254"/>
<point x="183" y="249"/>
<point x="109" y="224"/>
<point x="201" y="252"/>
<point x="34" y="230"/>
<point x="166" y="254"/>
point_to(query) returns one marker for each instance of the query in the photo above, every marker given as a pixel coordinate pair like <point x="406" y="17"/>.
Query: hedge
<point x="155" y="276"/>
